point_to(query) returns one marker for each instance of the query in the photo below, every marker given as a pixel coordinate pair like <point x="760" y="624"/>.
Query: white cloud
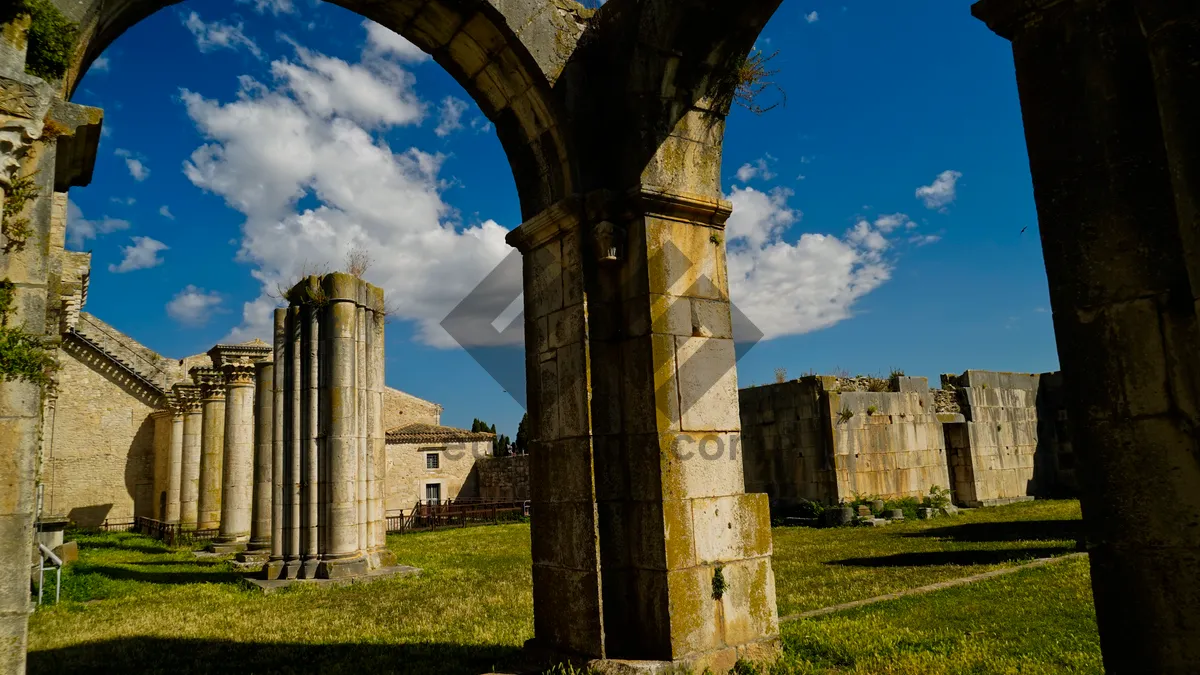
<point x="812" y="17"/>
<point x="309" y="132"/>
<point x="135" y="163"/>
<point x="165" y="212"/>
<point x="791" y="288"/>
<point x="142" y="255"/>
<point x="450" y="116"/>
<point x="759" y="168"/>
<point x="923" y="239"/>
<point x="275" y="7"/>
<point x="193" y="306"/>
<point x="383" y="41"/>
<point x="941" y="192"/>
<point x="219" y="35"/>
<point x="79" y="229"/>
<point x="127" y="201"/>
<point x="481" y="125"/>
<point x="100" y="65"/>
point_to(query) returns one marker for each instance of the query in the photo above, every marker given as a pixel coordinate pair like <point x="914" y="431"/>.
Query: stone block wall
<point x="1012" y="443"/>
<point x="785" y="441"/>
<point x="886" y="443"/>
<point x="407" y="472"/>
<point x="401" y="409"/>
<point x="504" y="479"/>
<point x="101" y="462"/>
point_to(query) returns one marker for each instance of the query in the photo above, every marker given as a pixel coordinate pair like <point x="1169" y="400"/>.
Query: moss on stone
<point x="22" y="356"/>
<point x="51" y="37"/>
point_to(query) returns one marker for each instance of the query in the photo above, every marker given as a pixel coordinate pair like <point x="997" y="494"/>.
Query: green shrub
<point x="22" y="356"/>
<point x="52" y="38"/>
<point x="938" y="499"/>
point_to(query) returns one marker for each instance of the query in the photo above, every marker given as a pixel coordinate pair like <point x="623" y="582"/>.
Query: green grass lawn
<point x="132" y="605"/>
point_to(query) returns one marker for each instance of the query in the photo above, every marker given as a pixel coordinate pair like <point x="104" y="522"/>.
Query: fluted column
<point x="189" y="477"/>
<point x="264" y="424"/>
<point x="174" y="467"/>
<point x="329" y="370"/>
<point x="212" y="447"/>
<point x="162" y="451"/>
<point x="237" y="462"/>
<point x="279" y="492"/>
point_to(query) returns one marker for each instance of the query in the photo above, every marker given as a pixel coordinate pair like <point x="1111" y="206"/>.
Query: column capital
<point x="186" y="398"/>
<point x="609" y="206"/>
<point x="1006" y="17"/>
<point x="210" y="381"/>
<point x="239" y="373"/>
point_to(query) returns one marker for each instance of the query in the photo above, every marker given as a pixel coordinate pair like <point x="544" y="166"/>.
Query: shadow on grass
<point x="216" y="576"/>
<point x="139" y="545"/>
<point x="1022" y="530"/>
<point x="192" y="657"/>
<point x="962" y="558"/>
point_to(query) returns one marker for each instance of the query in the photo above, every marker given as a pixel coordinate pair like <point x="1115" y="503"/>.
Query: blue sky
<point x="243" y="140"/>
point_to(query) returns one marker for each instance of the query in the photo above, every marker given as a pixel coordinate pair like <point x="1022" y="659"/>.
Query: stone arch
<point x="471" y="39"/>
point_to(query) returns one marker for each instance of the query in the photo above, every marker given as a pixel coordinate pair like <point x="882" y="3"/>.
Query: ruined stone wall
<point x="401" y="409"/>
<point x="785" y="442"/>
<point x="101" y="462"/>
<point x="1006" y="451"/>
<point x="504" y="479"/>
<point x="158" y="369"/>
<point x="887" y="443"/>
<point x="407" y="474"/>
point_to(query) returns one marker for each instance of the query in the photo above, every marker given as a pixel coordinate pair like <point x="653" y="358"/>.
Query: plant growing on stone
<point x="23" y="357"/>
<point x="896" y="372"/>
<point x="358" y="261"/>
<point x="780" y="375"/>
<point x="938" y="499"/>
<point x="50" y="40"/>
<point x="845" y="414"/>
<point x="878" y="384"/>
<point x="871" y="410"/>
<point x="719" y="585"/>
<point x="15" y="227"/>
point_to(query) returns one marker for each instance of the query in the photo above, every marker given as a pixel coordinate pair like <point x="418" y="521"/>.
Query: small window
<point x="432" y="461"/>
<point x="433" y="493"/>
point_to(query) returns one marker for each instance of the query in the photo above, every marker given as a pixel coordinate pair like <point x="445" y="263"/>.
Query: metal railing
<point x="57" y="564"/>
<point x="171" y="534"/>
<point x="93" y="324"/>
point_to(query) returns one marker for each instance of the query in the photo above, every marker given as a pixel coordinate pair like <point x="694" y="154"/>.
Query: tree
<point x="521" y="445"/>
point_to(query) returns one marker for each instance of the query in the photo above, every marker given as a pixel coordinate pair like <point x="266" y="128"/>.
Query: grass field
<point x="131" y="605"/>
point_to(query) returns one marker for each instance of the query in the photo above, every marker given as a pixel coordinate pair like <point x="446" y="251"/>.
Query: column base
<point x="308" y="569"/>
<point x="381" y="558"/>
<point x="343" y="567"/>
<point x="224" y="547"/>
<point x="252" y="557"/>
<point x="259" y="545"/>
<point x="762" y="652"/>
<point x="280" y="569"/>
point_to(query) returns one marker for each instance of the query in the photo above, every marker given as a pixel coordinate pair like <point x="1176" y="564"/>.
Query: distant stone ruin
<point x="990" y="437"/>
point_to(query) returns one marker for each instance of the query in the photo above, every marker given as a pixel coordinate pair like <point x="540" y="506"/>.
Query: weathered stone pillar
<point x="174" y="466"/>
<point x="189" y="477"/>
<point x="212" y="446"/>
<point x="264" y="429"/>
<point x="162" y="451"/>
<point x="280" y="492"/>
<point x="325" y="366"/>
<point x="645" y="546"/>
<point x="237" y="462"/>
<point x="1111" y="133"/>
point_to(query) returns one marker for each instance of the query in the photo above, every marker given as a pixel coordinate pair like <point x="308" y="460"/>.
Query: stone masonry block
<point x="566" y="608"/>
<point x="563" y="471"/>
<point x="565" y="535"/>
<point x="707" y="384"/>
<point x="731" y="528"/>
<point x="692" y="466"/>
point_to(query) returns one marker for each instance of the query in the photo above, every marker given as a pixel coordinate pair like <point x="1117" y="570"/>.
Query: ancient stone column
<point x="212" y="446"/>
<point x="280" y="494"/>
<point x="1113" y="142"/>
<point x="326" y="365"/>
<point x="638" y="493"/>
<point x="237" y="462"/>
<point x="264" y="429"/>
<point x="189" y="476"/>
<point x="174" y="466"/>
<point x="162" y="450"/>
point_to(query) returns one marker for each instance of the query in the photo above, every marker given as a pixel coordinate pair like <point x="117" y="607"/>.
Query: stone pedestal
<point x="1113" y="146"/>
<point x="645" y="546"/>
<point x="189" y="473"/>
<point x="212" y="445"/>
<point x="331" y="521"/>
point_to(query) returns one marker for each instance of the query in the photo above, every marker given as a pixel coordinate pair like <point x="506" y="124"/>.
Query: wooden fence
<point x="170" y="534"/>
<point x="423" y="517"/>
